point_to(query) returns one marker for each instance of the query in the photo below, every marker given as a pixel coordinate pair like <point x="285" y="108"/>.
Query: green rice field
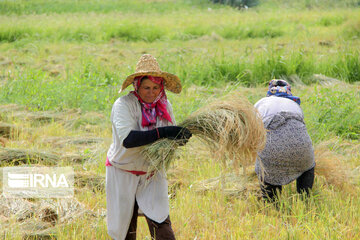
<point x="62" y="64"/>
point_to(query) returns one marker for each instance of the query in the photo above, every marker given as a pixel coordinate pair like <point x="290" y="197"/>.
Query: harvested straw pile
<point x="19" y="156"/>
<point x="231" y="185"/>
<point x="16" y="157"/>
<point x="37" y="117"/>
<point x="36" y="218"/>
<point x="62" y="142"/>
<point x="13" y="111"/>
<point x="85" y="180"/>
<point x="231" y="129"/>
<point x="3" y="141"/>
<point x="8" y="108"/>
<point x="5" y="129"/>
<point x="86" y="120"/>
<point x="331" y="166"/>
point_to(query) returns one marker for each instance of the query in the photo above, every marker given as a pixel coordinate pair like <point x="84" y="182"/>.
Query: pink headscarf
<point x="150" y="111"/>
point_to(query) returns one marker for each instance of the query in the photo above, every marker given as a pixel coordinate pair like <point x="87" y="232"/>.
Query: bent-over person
<point x="288" y="154"/>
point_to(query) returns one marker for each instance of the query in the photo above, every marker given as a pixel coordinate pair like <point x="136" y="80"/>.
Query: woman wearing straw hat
<point x="139" y="118"/>
<point x="288" y="154"/>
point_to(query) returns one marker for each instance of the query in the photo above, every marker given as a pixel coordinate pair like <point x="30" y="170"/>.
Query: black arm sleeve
<point x="140" y="138"/>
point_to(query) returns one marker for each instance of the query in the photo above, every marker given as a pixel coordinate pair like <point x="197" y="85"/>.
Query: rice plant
<point x="231" y="129"/>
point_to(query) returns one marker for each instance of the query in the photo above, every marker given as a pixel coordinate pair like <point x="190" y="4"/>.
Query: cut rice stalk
<point x="230" y="128"/>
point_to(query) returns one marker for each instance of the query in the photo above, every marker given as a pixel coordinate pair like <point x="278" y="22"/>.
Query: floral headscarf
<point x="150" y="111"/>
<point x="281" y="88"/>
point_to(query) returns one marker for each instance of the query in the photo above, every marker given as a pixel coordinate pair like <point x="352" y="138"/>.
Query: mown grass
<point x="58" y="55"/>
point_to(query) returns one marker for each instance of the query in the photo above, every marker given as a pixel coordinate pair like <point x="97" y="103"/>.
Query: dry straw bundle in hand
<point x="231" y="128"/>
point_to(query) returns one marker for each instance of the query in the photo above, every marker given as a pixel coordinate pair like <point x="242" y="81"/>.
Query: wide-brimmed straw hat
<point x="148" y="66"/>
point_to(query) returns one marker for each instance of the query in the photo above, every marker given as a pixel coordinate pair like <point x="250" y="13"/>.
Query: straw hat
<point x="148" y="66"/>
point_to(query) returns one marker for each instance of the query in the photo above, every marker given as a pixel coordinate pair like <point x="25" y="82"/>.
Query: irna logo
<point x="16" y="180"/>
<point x="38" y="182"/>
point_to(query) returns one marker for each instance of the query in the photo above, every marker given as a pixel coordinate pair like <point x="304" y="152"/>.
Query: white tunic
<point x="122" y="188"/>
<point x="126" y="116"/>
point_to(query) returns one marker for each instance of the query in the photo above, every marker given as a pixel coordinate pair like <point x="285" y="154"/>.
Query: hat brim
<point x="171" y="81"/>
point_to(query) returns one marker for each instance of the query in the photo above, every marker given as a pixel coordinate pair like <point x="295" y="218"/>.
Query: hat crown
<point x="147" y="63"/>
<point x="148" y="66"/>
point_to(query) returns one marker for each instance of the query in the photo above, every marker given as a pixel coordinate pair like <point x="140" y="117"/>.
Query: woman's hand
<point x="175" y="133"/>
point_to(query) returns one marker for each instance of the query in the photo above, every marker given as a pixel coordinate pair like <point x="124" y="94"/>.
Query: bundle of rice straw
<point x="331" y="166"/>
<point x="232" y="129"/>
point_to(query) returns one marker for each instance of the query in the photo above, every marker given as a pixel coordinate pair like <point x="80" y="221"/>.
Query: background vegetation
<point x="59" y="56"/>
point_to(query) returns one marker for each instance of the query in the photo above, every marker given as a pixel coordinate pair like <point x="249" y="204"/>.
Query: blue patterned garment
<point x="281" y="88"/>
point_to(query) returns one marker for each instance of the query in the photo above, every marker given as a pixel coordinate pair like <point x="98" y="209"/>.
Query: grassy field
<point x="65" y="61"/>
